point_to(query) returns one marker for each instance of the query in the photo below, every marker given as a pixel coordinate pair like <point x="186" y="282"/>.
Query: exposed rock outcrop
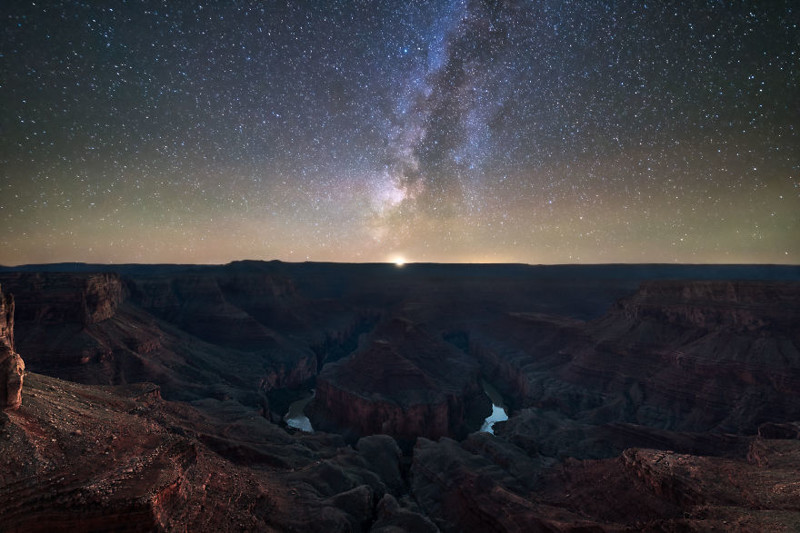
<point x="94" y="458"/>
<point x="12" y="367"/>
<point x="686" y="356"/>
<point x="404" y="382"/>
<point x="92" y="328"/>
<point x="677" y="410"/>
<point x="746" y="306"/>
<point x="461" y="487"/>
<point x="6" y="320"/>
<point x="51" y="298"/>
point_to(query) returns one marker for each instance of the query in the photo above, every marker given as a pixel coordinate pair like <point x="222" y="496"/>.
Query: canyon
<point x="639" y="397"/>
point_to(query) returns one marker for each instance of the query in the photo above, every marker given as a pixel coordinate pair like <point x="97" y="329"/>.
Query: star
<point x="453" y="130"/>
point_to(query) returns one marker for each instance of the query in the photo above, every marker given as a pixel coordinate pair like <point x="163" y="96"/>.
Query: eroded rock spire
<point x="12" y="367"/>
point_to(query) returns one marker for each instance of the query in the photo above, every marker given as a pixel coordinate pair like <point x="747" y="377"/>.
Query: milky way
<point x="537" y="132"/>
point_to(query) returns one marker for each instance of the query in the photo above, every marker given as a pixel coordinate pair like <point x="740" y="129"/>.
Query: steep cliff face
<point x="700" y="354"/>
<point x="230" y="305"/>
<point x="102" y="296"/>
<point x="517" y="350"/>
<point x="181" y="333"/>
<point x="83" y="299"/>
<point x="403" y="382"/>
<point x="366" y="415"/>
<point x="735" y="305"/>
<point x="680" y="355"/>
<point x="197" y="305"/>
<point x="237" y="311"/>
<point x="79" y="326"/>
<point x="6" y="320"/>
<point x="12" y="367"/>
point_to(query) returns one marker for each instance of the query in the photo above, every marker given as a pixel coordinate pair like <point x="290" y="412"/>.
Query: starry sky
<point x="451" y="131"/>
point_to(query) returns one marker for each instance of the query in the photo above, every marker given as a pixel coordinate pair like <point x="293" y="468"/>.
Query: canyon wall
<point x="403" y="381"/>
<point x="181" y="332"/>
<point x="677" y="409"/>
<point x="680" y="355"/>
<point x="745" y="306"/>
<point x="65" y="297"/>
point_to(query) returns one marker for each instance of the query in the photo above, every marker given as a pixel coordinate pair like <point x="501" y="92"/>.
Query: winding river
<point x="295" y="418"/>
<point x="499" y="413"/>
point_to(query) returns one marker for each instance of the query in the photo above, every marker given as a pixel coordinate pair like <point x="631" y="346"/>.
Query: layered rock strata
<point x="53" y="298"/>
<point x="181" y="333"/>
<point x="89" y="458"/>
<point x="677" y="410"/>
<point x="686" y="356"/>
<point x="403" y="381"/>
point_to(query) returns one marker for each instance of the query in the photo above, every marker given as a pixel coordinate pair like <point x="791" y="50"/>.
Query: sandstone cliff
<point x="691" y="356"/>
<point x="12" y="367"/>
<point x="181" y="333"/>
<point x="745" y="306"/>
<point x="403" y="382"/>
<point x="57" y="297"/>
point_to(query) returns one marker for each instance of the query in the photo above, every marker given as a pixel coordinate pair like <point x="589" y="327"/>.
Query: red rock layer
<point x="90" y="458"/>
<point x="739" y="305"/>
<point x="690" y="356"/>
<point x="404" y="382"/>
<point x="92" y="328"/>
<point x="58" y="297"/>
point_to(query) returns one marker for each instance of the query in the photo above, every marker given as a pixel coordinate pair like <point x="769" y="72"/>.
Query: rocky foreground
<point x="154" y="396"/>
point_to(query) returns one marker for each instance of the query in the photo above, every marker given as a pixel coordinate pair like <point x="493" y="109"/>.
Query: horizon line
<point x="395" y="263"/>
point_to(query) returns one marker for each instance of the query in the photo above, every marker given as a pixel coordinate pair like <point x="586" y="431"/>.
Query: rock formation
<point x="100" y="328"/>
<point x="403" y="382"/>
<point x="687" y="356"/>
<point x="52" y="298"/>
<point x="485" y="484"/>
<point x="672" y="407"/>
<point x="742" y="306"/>
<point x="100" y="459"/>
<point x="12" y="367"/>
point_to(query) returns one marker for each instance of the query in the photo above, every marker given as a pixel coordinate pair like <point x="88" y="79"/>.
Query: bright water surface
<point x="295" y="417"/>
<point x="499" y="413"/>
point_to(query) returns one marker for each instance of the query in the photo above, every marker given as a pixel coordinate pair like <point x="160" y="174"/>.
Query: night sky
<point x="450" y="131"/>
